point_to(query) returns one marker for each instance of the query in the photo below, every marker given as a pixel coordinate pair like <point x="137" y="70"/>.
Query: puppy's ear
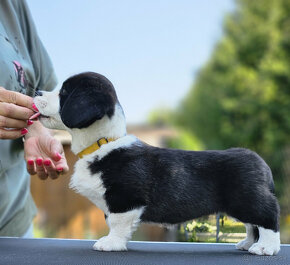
<point x="87" y="100"/>
<point x="82" y="109"/>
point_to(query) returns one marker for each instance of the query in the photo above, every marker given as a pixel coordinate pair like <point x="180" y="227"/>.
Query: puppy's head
<point x="82" y="100"/>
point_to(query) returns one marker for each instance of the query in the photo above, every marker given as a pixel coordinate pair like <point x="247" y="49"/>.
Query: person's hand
<point x="44" y="156"/>
<point x="15" y="110"/>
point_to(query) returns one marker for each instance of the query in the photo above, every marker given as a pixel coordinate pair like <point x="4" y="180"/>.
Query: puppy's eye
<point x="63" y="92"/>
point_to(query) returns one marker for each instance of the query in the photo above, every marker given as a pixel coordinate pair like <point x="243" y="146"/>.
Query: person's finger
<point x="55" y="150"/>
<point x="62" y="167"/>
<point x="12" y="133"/>
<point x="13" y="111"/>
<point x="50" y="169"/>
<point x="12" y="123"/>
<point x="40" y="171"/>
<point x="15" y="98"/>
<point x="57" y="155"/>
<point x="30" y="167"/>
<point x="59" y="171"/>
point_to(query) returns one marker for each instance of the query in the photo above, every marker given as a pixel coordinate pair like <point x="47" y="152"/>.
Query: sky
<point x="150" y="50"/>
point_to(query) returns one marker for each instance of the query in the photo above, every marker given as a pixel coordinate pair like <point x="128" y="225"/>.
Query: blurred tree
<point x="164" y="117"/>
<point x="161" y="116"/>
<point x="241" y="97"/>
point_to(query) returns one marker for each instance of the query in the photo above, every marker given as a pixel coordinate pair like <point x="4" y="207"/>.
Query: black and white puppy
<point x="134" y="182"/>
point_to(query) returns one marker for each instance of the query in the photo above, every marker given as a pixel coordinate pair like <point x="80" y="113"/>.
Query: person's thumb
<point x="56" y="150"/>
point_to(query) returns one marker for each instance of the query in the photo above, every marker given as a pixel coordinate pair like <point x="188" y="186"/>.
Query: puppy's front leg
<point x="122" y="225"/>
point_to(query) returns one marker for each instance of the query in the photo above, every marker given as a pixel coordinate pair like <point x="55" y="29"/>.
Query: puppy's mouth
<point x="38" y="115"/>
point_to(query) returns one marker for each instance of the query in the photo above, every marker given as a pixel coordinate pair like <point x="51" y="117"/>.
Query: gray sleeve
<point x="45" y="78"/>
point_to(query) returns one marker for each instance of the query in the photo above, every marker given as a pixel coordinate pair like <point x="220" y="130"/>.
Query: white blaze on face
<point x="48" y="103"/>
<point x="48" y="106"/>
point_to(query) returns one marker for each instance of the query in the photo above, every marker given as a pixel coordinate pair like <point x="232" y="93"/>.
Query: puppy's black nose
<point x="38" y="93"/>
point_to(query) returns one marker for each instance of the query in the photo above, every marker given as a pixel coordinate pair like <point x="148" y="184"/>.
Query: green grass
<point x="231" y="226"/>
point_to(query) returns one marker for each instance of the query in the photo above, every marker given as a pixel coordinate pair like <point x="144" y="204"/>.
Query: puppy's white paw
<point x="108" y="243"/>
<point x="264" y="249"/>
<point x="245" y="244"/>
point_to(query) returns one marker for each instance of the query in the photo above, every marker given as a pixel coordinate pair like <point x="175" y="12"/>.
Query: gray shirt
<point x="24" y="67"/>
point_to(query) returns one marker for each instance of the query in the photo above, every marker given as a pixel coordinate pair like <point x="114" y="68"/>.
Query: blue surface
<point x="70" y="252"/>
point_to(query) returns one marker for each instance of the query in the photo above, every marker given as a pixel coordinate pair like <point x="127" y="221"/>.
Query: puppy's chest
<point x="88" y="184"/>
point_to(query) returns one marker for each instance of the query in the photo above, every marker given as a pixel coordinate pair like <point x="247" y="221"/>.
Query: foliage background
<point x="241" y="97"/>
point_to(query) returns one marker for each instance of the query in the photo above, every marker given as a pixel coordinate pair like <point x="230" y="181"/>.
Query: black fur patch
<point x="85" y="98"/>
<point x="175" y="186"/>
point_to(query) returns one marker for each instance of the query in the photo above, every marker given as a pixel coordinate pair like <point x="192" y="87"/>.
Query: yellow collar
<point x="94" y="147"/>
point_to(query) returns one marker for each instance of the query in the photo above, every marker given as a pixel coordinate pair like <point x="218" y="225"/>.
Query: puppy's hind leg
<point x="268" y="225"/>
<point x="267" y="220"/>
<point x="122" y="225"/>
<point x="268" y="243"/>
<point x="250" y="239"/>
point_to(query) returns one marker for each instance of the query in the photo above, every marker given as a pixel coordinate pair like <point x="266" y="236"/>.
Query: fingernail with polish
<point x="58" y="156"/>
<point x="35" y="108"/>
<point x="59" y="169"/>
<point x="29" y="122"/>
<point x="47" y="162"/>
<point x="39" y="161"/>
<point x="30" y="162"/>
<point x="24" y="131"/>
